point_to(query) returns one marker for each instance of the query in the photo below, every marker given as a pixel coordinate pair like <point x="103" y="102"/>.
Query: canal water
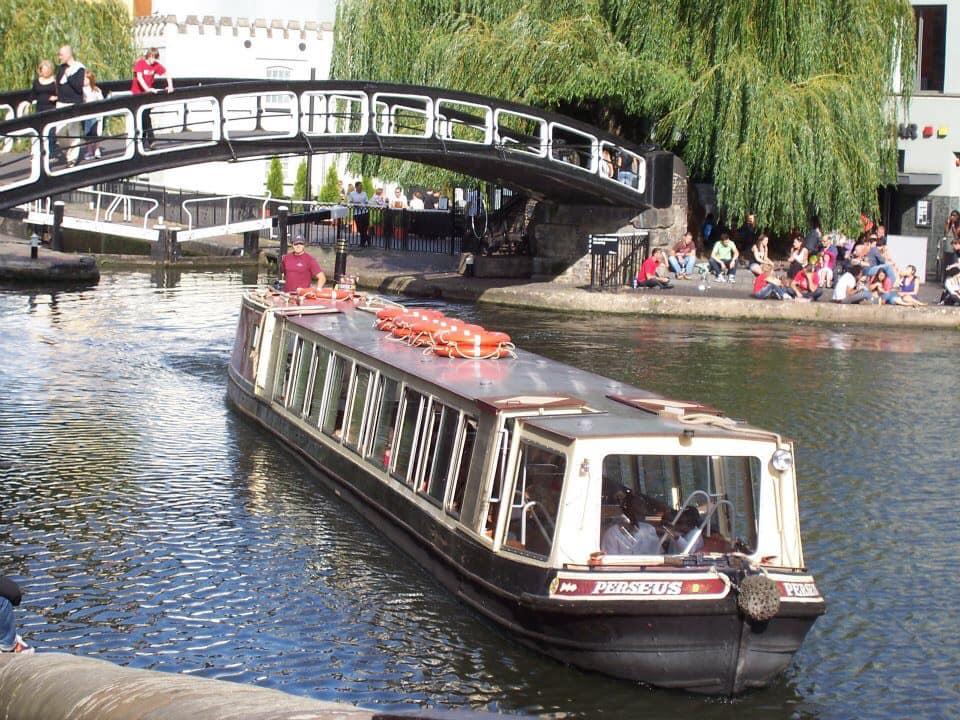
<point x="153" y="527"/>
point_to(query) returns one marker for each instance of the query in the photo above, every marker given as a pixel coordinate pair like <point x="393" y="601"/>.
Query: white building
<point x="230" y="47"/>
<point x="928" y="182"/>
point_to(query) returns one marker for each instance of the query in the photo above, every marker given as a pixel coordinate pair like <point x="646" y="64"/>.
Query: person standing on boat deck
<point x="300" y="268"/>
<point x="631" y="534"/>
<point x="10" y="596"/>
<point x="361" y="214"/>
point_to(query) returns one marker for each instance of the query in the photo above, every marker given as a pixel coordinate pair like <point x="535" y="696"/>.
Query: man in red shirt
<point x="145" y="73"/>
<point x="647" y="277"/>
<point x="300" y="268"/>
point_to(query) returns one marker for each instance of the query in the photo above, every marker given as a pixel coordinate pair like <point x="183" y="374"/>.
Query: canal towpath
<point x="440" y="276"/>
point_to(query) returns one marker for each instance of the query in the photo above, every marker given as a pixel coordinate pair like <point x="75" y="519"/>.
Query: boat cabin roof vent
<point x="665" y="407"/>
<point x="534" y="403"/>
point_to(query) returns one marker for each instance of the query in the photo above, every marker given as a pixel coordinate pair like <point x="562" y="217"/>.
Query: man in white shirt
<point x="846" y="291"/>
<point x="631" y="535"/>
<point x="358" y="200"/>
<point x="399" y="200"/>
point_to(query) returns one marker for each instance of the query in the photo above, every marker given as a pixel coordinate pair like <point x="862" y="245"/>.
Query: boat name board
<point x="640" y="587"/>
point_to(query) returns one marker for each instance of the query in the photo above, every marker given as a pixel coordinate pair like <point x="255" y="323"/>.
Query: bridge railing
<point x="237" y="120"/>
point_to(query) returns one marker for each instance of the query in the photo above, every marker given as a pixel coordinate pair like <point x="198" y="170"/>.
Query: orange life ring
<point x="334" y="294"/>
<point x="472" y="352"/>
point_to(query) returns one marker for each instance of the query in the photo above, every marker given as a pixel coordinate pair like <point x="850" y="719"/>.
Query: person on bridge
<point x="300" y="268"/>
<point x="10" y="596"/>
<point x="145" y="73"/>
<point x="70" y="76"/>
<point x="361" y="213"/>
<point x="44" y="94"/>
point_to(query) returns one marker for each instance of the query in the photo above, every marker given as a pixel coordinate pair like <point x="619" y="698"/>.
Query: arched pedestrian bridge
<point x="545" y="155"/>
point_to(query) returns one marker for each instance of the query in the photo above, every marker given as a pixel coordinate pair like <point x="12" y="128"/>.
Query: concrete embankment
<point x="57" y="686"/>
<point x="16" y="266"/>
<point x="435" y="277"/>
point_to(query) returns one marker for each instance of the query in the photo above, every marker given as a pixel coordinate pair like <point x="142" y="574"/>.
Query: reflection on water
<point x="153" y="527"/>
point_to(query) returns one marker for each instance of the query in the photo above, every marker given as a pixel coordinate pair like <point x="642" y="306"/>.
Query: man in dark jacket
<point x="9" y="597"/>
<point x="70" y="75"/>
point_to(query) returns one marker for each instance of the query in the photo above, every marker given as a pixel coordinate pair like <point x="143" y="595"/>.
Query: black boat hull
<point x="704" y="646"/>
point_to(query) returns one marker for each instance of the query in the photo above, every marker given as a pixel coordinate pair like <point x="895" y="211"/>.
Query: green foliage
<point x="368" y="185"/>
<point x="275" y="178"/>
<point x="330" y="192"/>
<point x="300" y="189"/>
<point x="781" y="105"/>
<point x="31" y="30"/>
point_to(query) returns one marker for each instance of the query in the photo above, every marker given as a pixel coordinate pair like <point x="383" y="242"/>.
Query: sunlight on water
<point x="153" y="527"/>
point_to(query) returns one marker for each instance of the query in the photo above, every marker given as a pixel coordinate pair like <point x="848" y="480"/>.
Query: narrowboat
<point x="618" y="531"/>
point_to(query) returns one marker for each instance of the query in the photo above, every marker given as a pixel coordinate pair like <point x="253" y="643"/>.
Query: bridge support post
<point x="165" y="250"/>
<point x="56" y="242"/>
<point x="251" y="243"/>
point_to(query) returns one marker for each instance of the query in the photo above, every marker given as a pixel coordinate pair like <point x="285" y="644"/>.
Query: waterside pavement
<point x="437" y="276"/>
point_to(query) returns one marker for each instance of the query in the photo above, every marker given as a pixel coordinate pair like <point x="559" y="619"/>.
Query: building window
<point x="280" y="72"/>
<point x="931" y="46"/>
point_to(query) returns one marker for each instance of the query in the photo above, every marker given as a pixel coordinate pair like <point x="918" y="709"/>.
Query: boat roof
<point x="528" y="381"/>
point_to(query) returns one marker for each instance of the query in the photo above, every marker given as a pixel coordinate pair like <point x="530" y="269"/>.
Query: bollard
<point x="340" y="262"/>
<point x="283" y="211"/>
<point x="34" y="246"/>
<point x="57" y="242"/>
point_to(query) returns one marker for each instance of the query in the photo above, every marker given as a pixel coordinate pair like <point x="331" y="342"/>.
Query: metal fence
<point x="425" y="231"/>
<point x="615" y="259"/>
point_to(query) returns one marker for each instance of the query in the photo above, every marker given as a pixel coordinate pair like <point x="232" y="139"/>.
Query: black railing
<point x="425" y="231"/>
<point x="615" y="259"/>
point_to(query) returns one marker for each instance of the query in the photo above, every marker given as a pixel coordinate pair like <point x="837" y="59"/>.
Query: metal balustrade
<point x="542" y="154"/>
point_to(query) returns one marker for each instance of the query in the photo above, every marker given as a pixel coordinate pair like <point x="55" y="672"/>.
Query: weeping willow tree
<point x="785" y="105"/>
<point x="31" y="30"/>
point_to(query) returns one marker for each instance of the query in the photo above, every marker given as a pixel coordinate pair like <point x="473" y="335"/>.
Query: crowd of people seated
<point x="818" y="267"/>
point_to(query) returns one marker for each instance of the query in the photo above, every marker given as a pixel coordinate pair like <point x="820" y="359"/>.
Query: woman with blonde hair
<point x="91" y="93"/>
<point x="44" y="94"/>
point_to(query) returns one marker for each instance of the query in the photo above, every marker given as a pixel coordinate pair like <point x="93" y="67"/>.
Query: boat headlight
<point x="782" y="460"/>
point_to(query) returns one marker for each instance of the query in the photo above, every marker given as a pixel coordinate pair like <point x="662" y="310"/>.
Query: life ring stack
<point x="444" y="336"/>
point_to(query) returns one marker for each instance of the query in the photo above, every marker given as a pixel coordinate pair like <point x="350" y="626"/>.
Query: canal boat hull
<point x="700" y="645"/>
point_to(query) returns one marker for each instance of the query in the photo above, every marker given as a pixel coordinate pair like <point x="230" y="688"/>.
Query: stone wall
<point x="560" y="233"/>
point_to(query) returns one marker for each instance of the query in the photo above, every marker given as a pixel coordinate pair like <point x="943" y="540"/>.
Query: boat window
<point x="438" y="452"/>
<point x="321" y="358"/>
<point x="284" y="363"/>
<point x="387" y="407"/>
<point x="721" y="492"/>
<point x="536" y="500"/>
<point x="358" y="406"/>
<point x="335" y="408"/>
<point x="464" y="460"/>
<point x="407" y="436"/>
<point x="496" y="487"/>
<point x="303" y="356"/>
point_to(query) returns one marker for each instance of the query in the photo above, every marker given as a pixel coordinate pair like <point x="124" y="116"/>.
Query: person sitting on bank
<point x="881" y="286"/>
<point x="759" y="255"/>
<point x="951" y="272"/>
<point x="849" y="289"/>
<point x="723" y="259"/>
<point x="632" y="534"/>
<point x="300" y="268"/>
<point x="907" y="288"/>
<point x="806" y="283"/>
<point x="769" y="286"/>
<point x="683" y="257"/>
<point x="10" y="596"/>
<point x="648" y="276"/>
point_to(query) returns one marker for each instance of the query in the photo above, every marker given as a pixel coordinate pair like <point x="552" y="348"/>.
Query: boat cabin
<point x="541" y="463"/>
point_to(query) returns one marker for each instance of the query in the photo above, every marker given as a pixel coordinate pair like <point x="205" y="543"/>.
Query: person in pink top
<point x="146" y="71"/>
<point x="300" y="268"/>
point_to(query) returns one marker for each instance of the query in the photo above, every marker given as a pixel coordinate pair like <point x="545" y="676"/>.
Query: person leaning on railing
<point x="361" y="214"/>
